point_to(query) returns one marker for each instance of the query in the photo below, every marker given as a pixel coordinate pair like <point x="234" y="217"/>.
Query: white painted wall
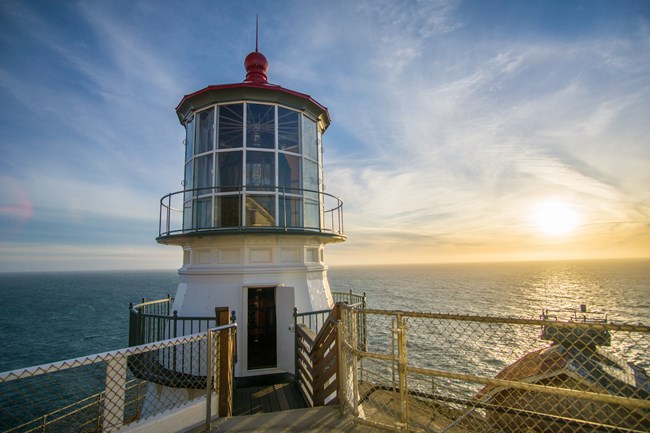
<point x="221" y="268"/>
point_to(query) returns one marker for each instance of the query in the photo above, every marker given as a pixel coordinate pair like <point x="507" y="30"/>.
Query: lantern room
<point x="252" y="162"/>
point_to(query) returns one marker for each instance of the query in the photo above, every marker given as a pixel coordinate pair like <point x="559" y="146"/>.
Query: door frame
<point x="244" y="356"/>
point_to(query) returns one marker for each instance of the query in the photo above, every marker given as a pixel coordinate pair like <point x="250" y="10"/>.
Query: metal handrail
<point x="148" y="324"/>
<point x="330" y="220"/>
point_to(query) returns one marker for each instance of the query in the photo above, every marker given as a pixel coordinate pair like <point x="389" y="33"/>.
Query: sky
<point x="461" y="130"/>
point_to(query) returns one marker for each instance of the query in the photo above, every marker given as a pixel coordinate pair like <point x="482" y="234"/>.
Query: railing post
<point x="401" y="364"/>
<point x="364" y="330"/>
<point x="295" y="342"/>
<point x="340" y="376"/>
<point x="114" y="394"/>
<point x="169" y="214"/>
<point x="225" y="371"/>
<point x="140" y="327"/>
<point x="233" y="320"/>
<point x="208" y="383"/>
<point x="284" y="206"/>
<point x="98" y="425"/>
<point x="131" y="325"/>
<point x="354" y="337"/>
<point x="174" y="349"/>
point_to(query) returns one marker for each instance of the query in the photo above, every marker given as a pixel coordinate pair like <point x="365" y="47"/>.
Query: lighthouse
<point x="253" y="218"/>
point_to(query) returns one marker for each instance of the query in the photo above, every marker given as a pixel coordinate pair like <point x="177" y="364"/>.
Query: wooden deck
<point x="267" y="398"/>
<point x="311" y="420"/>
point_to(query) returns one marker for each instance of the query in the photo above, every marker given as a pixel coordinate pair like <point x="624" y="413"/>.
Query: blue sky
<point x="460" y="131"/>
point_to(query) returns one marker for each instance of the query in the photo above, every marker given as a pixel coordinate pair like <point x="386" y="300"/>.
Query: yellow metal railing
<point x="460" y="373"/>
<point x="106" y="391"/>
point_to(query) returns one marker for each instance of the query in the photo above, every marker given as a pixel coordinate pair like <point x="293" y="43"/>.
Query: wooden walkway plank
<point x="269" y="398"/>
<point x="294" y="397"/>
<point x="282" y="398"/>
<point x="256" y="403"/>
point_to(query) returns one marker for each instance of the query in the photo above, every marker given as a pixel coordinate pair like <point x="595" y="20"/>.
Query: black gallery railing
<point x="250" y="208"/>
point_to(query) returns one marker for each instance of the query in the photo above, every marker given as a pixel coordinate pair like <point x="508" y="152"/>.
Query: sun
<point x="555" y="218"/>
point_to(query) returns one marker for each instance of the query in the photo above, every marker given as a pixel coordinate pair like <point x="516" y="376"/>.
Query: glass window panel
<point x="260" y="126"/>
<point x="189" y="140"/>
<point x="290" y="212"/>
<point x="309" y="138"/>
<point x="229" y="171"/>
<point x="205" y="131"/>
<point x="187" y="215"/>
<point x="260" y="170"/>
<point x="189" y="180"/>
<point x="312" y="219"/>
<point x="231" y="126"/>
<point x="202" y="213"/>
<point x="311" y="175"/>
<point x="203" y="174"/>
<point x="289" y="172"/>
<point x="260" y="210"/>
<point x="227" y="210"/>
<point x="288" y="130"/>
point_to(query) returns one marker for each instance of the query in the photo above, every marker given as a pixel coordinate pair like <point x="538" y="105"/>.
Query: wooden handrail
<point x="317" y="358"/>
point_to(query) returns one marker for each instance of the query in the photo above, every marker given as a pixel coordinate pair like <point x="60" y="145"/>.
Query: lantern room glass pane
<point x="311" y="176"/>
<point x="189" y="180"/>
<point x="290" y="211"/>
<point x="202" y="213"/>
<point x="227" y="211"/>
<point x="231" y="126"/>
<point x="289" y="172"/>
<point x="312" y="215"/>
<point x="260" y="170"/>
<point x="229" y="171"/>
<point x="309" y="138"/>
<point x="260" y="126"/>
<point x="288" y="130"/>
<point x="260" y="210"/>
<point x="203" y="174"/>
<point x="187" y="215"/>
<point x="204" y="131"/>
<point x="189" y="140"/>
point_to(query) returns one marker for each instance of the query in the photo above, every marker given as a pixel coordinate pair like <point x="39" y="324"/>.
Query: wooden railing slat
<point x="317" y="368"/>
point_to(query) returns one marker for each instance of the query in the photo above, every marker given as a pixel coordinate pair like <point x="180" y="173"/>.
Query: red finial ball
<point x="256" y="67"/>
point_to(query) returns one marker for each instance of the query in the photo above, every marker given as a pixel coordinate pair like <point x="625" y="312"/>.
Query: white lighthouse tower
<point x="253" y="218"/>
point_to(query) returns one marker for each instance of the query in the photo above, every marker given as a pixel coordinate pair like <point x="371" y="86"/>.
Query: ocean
<point x="51" y="316"/>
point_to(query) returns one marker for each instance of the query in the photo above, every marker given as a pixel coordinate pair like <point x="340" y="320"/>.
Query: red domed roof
<point x="256" y="67"/>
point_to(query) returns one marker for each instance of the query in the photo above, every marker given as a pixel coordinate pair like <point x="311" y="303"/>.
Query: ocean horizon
<point x="55" y="315"/>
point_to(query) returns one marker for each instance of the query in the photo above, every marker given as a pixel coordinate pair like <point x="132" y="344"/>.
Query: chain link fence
<point x="457" y="373"/>
<point x="104" y="392"/>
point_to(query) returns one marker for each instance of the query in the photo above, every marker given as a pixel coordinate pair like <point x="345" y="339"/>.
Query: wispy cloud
<point x="516" y="124"/>
<point x="448" y="126"/>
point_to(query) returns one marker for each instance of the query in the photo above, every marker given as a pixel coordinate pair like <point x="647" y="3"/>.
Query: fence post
<point x="233" y="320"/>
<point x="341" y="377"/>
<point x="174" y="349"/>
<point x="364" y="330"/>
<point x="225" y="370"/>
<point x="401" y="364"/>
<point x="208" y="382"/>
<point x="114" y="394"/>
<point x="353" y="321"/>
<point x="295" y="342"/>
<point x="98" y="425"/>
